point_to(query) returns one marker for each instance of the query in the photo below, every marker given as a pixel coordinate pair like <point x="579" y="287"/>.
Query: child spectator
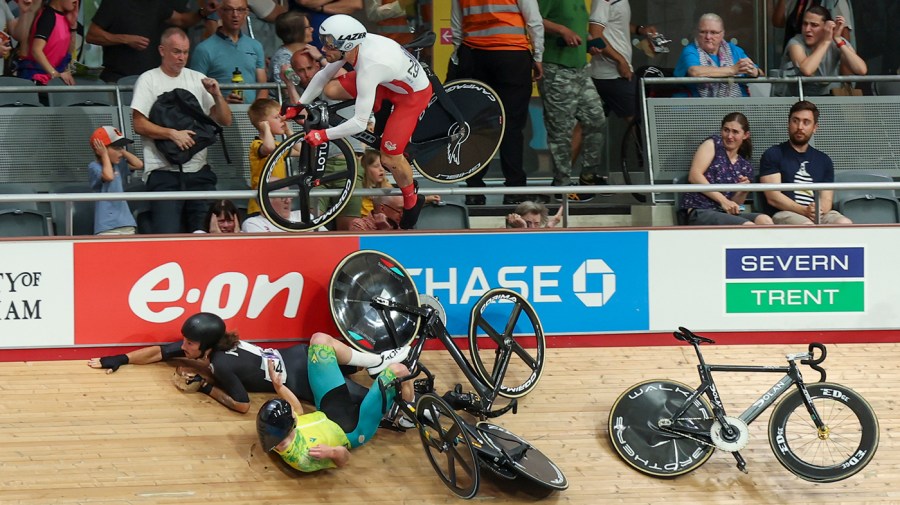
<point x="106" y="175"/>
<point x="265" y="114"/>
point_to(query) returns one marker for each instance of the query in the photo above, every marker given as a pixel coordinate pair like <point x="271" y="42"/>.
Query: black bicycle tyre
<point x="358" y="278"/>
<point x="302" y="182"/>
<point x="483" y="110"/>
<point x="635" y="434"/>
<point x="853" y="433"/>
<point x="533" y="464"/>
<point x="448" y="445"/>
<point x="535" y="364"/>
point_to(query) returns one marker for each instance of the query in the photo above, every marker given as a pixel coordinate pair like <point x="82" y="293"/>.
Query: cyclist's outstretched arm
<point x="318" y="82"/>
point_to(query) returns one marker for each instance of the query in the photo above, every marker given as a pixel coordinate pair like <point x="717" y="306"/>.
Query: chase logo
<point x="812" y="279"/>
<point x="578" y="283"/>
<point x="599" y="268"/>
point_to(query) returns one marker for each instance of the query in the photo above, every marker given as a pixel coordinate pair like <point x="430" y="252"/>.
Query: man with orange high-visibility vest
<point x="500" y="42"/>
<point x="392" y="18"/>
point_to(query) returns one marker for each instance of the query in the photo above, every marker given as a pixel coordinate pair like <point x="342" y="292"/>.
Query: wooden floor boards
<point x="70" y="434"/>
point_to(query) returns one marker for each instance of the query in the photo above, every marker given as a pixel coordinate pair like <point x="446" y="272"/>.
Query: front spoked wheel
<point x="445" y="151"/>
<point x="448" y="446"/>
<point x="526" y="460"/>
<point x="306" y="177"/>
<point x="653" y="447"/>
<point x="842" y="448"/>
<point x="356" y="281"/>
<point x="506" y="342"/>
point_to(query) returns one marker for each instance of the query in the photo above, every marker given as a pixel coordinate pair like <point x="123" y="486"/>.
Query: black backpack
<point x="179" y="109"/>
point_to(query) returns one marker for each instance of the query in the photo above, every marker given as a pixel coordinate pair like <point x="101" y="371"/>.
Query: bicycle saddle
<point x="687" y="335"/>
<point x="421" y="42"/>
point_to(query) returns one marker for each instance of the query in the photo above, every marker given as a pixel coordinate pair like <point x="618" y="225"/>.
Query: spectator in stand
<point x="107" y="175"/>
<point x="393" y="18"/>
<point x="380" y="212"/>
<point x="611" y="67"/>
<point x="710" y="55"/>
<point x="175" y="216"/>
<point x="501" y="44"/>
<point x="223" y="217"/>
<point x="569" y="96"/>
<point x="318" y="11"/>
<point x="788" y="14"/>
<point x="265" y="115"/>
<point x="50" y="44"/>
<point x="283" y="206"/>
<point x="229" y="50"/>
<point x="795" y="161"/>
<point x="723" y="159"/>
<point x="17" y="28"/>
<point x="129" y="32"/>
<point x="530" y="214"/>
<point x="819" y="51"/>
<point x="295" y="32"/>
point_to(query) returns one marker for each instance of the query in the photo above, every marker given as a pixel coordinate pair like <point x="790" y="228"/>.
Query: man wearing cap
<point x="106" y="175"/>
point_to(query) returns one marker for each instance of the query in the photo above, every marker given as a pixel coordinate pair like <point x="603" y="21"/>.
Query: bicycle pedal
<point x="423" y="386"/>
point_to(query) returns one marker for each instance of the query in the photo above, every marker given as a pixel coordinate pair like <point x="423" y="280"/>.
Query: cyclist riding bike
<point x="382" y="71"/>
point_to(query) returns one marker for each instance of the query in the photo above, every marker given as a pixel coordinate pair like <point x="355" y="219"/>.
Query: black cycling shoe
<point x="411" y="216"/>
<point x="476" y="199"/>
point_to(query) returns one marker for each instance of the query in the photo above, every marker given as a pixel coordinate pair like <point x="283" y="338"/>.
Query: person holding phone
<point x="569" y="96"/>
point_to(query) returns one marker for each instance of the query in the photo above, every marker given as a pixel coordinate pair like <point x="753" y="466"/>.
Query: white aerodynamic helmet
<point x="341" y="32"/>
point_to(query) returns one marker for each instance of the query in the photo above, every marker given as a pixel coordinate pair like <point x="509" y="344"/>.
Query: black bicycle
<point x="376" y="307"/>
<point x="456" y="137"/>
<point x="822" y="432"/>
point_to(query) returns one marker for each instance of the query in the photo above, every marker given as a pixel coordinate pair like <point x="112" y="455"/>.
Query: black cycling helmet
<point x="205" y="328"/>
<point x="274" y="422"/>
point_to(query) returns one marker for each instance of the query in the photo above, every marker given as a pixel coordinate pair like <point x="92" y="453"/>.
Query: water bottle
<point x="237" y="78"/>
<point x="292" y="76"/>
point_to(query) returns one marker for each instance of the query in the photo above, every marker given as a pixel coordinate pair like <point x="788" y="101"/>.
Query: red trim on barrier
<point x="561" y="341"/>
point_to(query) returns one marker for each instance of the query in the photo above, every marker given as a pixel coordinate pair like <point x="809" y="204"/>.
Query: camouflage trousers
<point x="569" y="97"/>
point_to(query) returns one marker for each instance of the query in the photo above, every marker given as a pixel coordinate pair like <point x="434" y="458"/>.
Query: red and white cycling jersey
<point x="380" y="62"/>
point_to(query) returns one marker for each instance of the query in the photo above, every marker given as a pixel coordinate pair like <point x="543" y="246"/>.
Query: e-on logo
<point x="607" y="277"/>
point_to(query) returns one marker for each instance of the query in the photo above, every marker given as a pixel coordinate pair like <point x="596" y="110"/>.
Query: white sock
<point x="363" y="359"/>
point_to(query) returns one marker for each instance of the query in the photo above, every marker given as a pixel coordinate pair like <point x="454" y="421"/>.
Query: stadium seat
<point x="18" y="99"/>
<point x="83" y="98"/>
<point x="443" y="216"/>
<point x="886" y="88"/>
<point x="82" y="212"/>
<point x="128" y="80"/>
<point x="16" y="188"/>
<point x="23" y="223"/>
<point x="866" y="206"/>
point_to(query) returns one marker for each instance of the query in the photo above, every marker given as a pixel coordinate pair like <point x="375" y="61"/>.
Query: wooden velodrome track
<point x="71" y="434"/>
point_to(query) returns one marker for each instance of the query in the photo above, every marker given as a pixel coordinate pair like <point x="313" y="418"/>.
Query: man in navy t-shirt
<point x="795" y="161"/>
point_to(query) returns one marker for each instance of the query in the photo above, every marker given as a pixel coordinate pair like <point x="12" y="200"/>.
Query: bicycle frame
<point x="434" y="328"/>
<point x="708" y="387"/>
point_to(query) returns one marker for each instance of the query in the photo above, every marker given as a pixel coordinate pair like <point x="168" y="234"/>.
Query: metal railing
<point x="71" y="198"/>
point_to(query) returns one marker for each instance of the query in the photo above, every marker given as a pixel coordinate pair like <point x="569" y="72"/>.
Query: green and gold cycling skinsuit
<point x="313" y="429"/>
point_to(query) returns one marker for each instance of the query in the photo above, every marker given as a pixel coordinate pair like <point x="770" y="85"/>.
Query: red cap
<point x="110" y="136"/>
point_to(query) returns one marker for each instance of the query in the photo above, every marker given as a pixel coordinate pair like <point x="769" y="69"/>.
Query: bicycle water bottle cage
<point x="814" y="362"/>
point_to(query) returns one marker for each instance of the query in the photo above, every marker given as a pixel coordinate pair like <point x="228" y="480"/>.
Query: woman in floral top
<point x="722" y="159"/>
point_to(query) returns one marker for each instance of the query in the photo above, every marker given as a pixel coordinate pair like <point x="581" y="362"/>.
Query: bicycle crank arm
<point x="741" y="464"/>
